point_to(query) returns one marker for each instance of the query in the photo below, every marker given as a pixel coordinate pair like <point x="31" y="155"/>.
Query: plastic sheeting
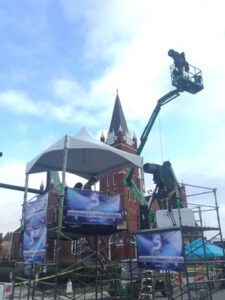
<point x="196" y="249"/>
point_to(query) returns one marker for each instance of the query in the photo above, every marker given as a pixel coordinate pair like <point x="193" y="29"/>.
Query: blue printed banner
<point x="36" y="212"/>
<point x="89" y="207"/>
<point x="34" y="242"/>
<point x="35" y="231"/>
<point x="160" y="251"/>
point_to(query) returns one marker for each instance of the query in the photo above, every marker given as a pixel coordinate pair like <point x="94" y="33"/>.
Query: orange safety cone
<point x="200" y="275"/>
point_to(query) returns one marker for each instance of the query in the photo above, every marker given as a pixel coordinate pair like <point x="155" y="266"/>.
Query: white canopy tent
<point x="83" y="155"/>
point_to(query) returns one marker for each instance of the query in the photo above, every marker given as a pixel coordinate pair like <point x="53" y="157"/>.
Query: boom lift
<point x="184" y="77"/>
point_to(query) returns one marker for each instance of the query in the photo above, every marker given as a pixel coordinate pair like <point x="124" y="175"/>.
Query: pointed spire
<point x="118" y="122"/>
<point x="102" y="138"/>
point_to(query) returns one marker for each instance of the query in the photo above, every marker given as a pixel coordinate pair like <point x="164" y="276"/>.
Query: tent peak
<point x="84" y="132"/>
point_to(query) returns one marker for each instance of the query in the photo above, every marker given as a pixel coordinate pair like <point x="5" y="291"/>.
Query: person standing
<point x="89" y="183"/>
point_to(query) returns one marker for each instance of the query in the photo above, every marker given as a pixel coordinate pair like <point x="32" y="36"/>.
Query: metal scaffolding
<point x="97" y="275"/>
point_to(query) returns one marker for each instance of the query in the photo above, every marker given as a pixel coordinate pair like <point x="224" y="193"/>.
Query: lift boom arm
<point x="162" y="101"/>
<point x="185" y="78"/>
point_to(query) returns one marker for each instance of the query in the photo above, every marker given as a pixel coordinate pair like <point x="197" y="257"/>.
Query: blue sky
<point x="62" y="61"/>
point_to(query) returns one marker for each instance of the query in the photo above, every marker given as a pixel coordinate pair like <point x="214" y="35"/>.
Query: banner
<point x="89" y="207"/>
<point x="160" y="251"/>
<point x="36" y="212"/>
<point x="34" y="245"/>
<point x="35" y="231"/>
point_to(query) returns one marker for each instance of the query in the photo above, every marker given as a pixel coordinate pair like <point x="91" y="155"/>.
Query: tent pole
<point x="218" y="220"/>
<point x="61" y="203"/>
<point x="60" y="217"/>
<point x="142" y="184"/>
<point x="24" y="201"/>
<point x="207" y="268"/>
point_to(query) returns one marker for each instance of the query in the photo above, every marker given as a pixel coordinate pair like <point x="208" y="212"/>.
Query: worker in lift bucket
<point x="179" y="61"/>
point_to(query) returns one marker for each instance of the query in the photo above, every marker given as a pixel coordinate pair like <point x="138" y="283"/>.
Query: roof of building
<point x="118" y="121"/>
<point x="18" y="230"/>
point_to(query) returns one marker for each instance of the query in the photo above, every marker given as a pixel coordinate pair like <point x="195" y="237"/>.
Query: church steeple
<point x="118" y="122"/>
<point x="120" y="138"/>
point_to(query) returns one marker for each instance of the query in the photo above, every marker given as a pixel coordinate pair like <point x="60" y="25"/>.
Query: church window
<point x="114" y="179"/>
<point x="73" y="247"/>
<point x="107" y="181"/>
<point x="117" y="240"/>
<point x="128" y="194"/>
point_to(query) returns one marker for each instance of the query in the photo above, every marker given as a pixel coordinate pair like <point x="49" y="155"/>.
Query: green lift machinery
<point x="167" y="192"/>
<point x="184" y="77"/>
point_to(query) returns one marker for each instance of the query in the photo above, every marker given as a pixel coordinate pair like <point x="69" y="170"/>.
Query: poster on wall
<point x="89" y="207"/>
<point x="160" y="251"/>
<point x="35" y="231"/>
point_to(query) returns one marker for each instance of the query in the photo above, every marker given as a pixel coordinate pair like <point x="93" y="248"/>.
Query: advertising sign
<point x="5" y="290"/>
<point x="160" y="251"/>
<point x="36" y="212"/>
<point x="35" y="231"/>
<point x="89" y="207"/>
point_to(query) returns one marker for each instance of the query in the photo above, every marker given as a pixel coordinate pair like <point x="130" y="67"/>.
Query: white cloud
<point x="11" y="200"/>
<point x="139" y="66"/>
<point x="130" y="40"/>
<point x="208" y="159"/>
<point x="18" y="102"/>
<point x="13" y="173"/>
<point x="108" y="25"/>
<point x="67" y="89"/>
<point x="73" y="94"/>
<point x="135" y="39"/>
<point x="73" y="109"/>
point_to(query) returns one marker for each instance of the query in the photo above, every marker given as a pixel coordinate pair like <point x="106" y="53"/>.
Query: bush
<point x="65" y="263"/>
<point x="8" y="263"/>
<point x="5" y="273"/>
